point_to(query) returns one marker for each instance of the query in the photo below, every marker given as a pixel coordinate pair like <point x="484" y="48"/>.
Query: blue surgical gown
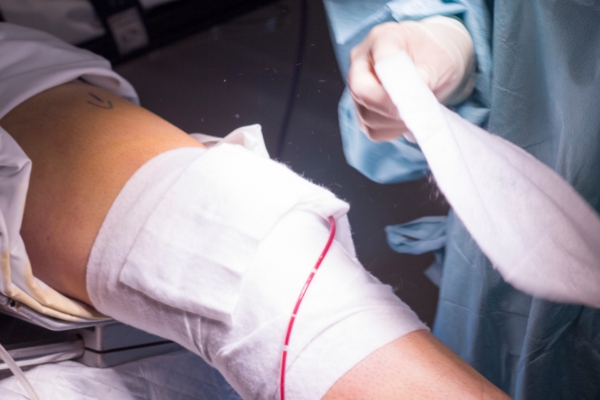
<point x="538" y="86"/>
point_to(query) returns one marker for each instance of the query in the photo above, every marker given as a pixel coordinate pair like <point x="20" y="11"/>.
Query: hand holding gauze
<point x="442" y="51"/>
<point x="543" y="238"/>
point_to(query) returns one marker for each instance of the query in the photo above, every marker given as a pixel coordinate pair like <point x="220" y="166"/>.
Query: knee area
<point x="288" y="254"/>
<point x="346" y="313"/>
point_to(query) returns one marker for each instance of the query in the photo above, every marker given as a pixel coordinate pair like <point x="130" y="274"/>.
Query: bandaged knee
<point x="211" y="248"/>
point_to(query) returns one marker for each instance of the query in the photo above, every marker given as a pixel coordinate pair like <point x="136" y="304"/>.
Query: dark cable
<point x="295" y="79"/>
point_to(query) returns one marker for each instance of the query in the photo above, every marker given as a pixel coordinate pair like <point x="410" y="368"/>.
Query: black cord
<point x="295" y="79"/>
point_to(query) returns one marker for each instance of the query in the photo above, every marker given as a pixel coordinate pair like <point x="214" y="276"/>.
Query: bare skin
<point x="416" y="366"/>
<point x="85" y="143"/>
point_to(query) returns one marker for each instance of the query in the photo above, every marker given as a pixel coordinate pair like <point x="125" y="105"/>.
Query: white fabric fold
<point x="537" y="231"/>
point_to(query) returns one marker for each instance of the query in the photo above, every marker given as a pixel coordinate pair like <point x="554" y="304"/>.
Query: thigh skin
<point x="84" y="143"/>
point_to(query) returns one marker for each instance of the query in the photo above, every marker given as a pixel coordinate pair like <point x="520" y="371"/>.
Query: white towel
<point x="537" y="231"/>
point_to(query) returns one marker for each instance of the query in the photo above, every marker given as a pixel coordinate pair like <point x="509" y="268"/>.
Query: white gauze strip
<point x="536" y="230"/>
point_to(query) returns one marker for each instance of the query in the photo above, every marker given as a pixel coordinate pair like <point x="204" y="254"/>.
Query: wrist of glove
<point x="450" y="75"/>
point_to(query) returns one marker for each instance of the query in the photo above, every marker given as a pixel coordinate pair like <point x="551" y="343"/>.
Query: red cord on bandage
<point x="298" y="302"/>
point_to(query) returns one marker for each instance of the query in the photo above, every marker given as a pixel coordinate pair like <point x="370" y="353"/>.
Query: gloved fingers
<point x="377" y="115"/>
<point x="387" y="39"/>
<point x="365" y="87"/>
<point x="389" y="134"/>
<point x="440" y="47"/>
<point x="375" y="119"/>
<point x="383" y="40"/>
<point x="442" y="51"/>
<point x="379" y="127"/>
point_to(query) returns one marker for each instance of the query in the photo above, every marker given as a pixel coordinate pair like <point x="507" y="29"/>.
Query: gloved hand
<point x="442" y="51"/>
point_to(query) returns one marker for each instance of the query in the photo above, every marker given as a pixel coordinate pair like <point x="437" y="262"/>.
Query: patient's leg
<point x="84" y="143"/>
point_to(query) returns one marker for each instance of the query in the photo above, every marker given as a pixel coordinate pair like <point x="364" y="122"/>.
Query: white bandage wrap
<point x="210" y="248"/>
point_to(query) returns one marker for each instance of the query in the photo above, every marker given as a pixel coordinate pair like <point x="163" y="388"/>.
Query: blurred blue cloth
<point x="538" y="86"/>
<point x="418" y="236"/>
<point x="421" y="236"/>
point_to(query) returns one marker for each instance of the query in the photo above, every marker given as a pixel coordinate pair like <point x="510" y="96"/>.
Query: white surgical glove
<point x="441" y="49"/>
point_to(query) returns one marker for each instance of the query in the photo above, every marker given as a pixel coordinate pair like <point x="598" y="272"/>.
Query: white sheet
<point x="537" y="231"/>
<point x="180" y="375"/>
